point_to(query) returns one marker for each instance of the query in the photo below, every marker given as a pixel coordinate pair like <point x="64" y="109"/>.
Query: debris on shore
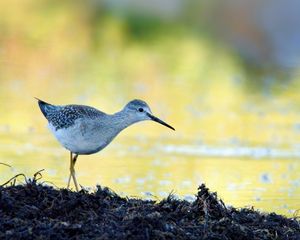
<point x="39" y="211"/>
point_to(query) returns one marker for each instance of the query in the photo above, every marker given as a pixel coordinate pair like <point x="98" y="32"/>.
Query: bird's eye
<point x="141" y="110"/>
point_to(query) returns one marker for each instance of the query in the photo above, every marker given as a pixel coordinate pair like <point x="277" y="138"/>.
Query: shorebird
<point x="86" y="130"/>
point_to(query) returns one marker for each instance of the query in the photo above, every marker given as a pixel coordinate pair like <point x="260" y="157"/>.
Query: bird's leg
<point x="72" y="170"/>
<point x="71" y="163"/>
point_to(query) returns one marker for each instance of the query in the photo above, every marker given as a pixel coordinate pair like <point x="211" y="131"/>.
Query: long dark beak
<point x="159" y="121"/>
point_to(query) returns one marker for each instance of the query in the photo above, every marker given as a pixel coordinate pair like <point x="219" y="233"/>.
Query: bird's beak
<point x="159" y="121"/>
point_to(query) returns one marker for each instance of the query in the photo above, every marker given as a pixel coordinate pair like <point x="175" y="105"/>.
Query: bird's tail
<point x="45" y="107"/>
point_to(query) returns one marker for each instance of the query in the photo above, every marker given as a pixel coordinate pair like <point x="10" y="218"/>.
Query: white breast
<point x="79" y="140"/>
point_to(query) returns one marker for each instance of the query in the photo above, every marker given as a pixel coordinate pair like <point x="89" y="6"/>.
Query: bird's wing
<point x="65" y="116"/>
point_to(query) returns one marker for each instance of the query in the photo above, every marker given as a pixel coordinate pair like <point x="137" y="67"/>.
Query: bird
<point x="85" y="130"/>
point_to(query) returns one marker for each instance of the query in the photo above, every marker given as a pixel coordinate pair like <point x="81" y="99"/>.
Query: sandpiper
<point x="85" y="130"/>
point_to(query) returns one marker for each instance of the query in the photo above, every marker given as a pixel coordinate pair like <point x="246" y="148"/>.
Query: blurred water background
<point x="224" y="73"/>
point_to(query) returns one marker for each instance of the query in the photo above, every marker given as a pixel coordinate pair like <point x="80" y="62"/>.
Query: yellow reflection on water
<point x="140" y="167"/>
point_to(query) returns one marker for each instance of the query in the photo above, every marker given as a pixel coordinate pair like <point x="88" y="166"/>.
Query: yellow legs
<point x="72" y="170"/>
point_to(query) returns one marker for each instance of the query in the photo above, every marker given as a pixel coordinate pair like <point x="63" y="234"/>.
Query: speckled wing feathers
<point x="65" y="116"/>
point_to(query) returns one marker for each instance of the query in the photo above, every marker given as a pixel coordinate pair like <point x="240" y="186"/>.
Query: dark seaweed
<point x="39" y="211"/>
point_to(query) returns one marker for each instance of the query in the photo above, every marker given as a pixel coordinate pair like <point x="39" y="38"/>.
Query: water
<point x="153" y="166"/>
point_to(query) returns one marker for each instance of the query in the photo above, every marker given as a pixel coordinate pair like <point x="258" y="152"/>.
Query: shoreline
<point x="35" y="210"/>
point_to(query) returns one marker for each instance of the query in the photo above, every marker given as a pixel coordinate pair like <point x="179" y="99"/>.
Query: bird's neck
<point x="123" y="120"/>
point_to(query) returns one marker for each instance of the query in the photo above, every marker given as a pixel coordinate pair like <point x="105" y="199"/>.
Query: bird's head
<point x="140" y="111"/>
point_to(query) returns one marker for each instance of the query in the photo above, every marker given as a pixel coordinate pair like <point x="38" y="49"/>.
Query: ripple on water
<point x="123" y="180"/>
<point x="231" y="151"/>
<point x="265" y="178"/>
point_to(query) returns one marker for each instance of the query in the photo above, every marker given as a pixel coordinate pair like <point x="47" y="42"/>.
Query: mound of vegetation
<point x="38" y="211"/>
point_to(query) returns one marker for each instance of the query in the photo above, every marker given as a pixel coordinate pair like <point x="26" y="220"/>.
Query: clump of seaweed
<point x="38" y="211"/>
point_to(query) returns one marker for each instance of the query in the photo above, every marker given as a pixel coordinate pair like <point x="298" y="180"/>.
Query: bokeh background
<point x="224" y="73"/>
